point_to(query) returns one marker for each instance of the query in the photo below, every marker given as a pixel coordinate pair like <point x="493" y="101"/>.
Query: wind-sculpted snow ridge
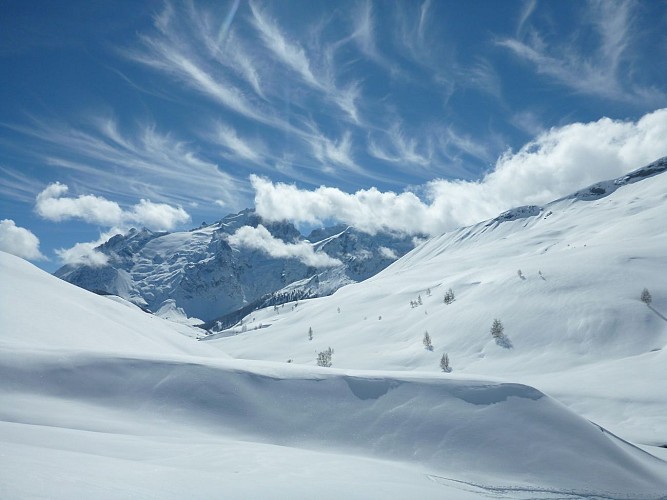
<point x="605" y="188"/>
<point x="508" y="434"/>
<point x="86" y="412"/>
<point x="205" y="274"/>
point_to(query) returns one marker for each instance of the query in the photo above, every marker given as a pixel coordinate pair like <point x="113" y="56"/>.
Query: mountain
<point x="573" y="314"/>
<point x="200" y="274"/>
<point x="101" y="400"/>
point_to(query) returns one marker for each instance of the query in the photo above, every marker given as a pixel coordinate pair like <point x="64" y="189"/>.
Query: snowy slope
<point x="101" y="400"/>
<point x="574" y="318"/>
<point x="204" y="275"/>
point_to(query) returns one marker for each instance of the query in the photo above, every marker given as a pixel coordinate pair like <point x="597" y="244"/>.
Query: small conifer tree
<point x="497" y="329"/>
<point x="427" y="341"/>
<point x="324" y="357"/>
<point x="498" y="333"/>
<point x="646" y="296"/>
<point x="449" y="296"/>
<point x="444" y="363"/>
<point x="310" y="333"/>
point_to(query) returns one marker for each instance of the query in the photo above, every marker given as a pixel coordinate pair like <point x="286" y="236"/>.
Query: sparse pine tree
<point x="324" y="357"/>
<point x="419" y="300"/>
<point x="520" y="274"/>
<point x="646" y="296"/>
<point x="444" y="363"/>
<point x="427" y="341"/>
<point x="449" y="296"/>
<point x="497" y="329"/>
<point x="310" y="333"/>
<point x="428" y="292"/>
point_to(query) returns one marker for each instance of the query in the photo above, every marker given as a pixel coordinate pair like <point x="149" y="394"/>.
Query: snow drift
<point x="101" y="399"/>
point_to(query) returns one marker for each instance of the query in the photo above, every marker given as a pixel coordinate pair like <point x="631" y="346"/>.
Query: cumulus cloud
<point x="557" y="162"/>
<point x="51" y="204"/>
<point x="259" y="238"/>
<point x="388" y="253"/>
<point x="158" y="216"/>
<point x="86" y="253"/>
<point x="82" y="254"/>
<point x="19" y="241"/>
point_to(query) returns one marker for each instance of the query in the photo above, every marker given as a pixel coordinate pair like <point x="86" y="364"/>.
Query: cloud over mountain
<point x="558" y="161"/>
<point x="260" y="238"/>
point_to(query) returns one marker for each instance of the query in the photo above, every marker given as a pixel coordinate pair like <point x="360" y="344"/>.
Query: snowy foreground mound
<point x="99" y="400"/>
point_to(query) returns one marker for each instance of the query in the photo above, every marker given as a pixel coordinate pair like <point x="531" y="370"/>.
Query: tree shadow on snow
<point x="656" y="312"/>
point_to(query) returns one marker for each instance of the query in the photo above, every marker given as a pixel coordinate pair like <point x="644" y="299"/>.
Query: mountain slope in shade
<point x="573" y="314"/>
<point x="199" y="272"/>
<point x="85" y="411"/>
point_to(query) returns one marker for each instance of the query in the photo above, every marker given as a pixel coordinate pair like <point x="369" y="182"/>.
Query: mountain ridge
<point x="207" y="277"/>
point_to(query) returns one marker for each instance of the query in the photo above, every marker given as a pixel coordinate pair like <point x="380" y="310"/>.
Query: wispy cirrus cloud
<point x="236" y="146"/>
<point x="336" y="152"/>
<point x="397" y="147"/>
<point x="160" y="166"/>
<point x="601" y="67"/>
<point x="289" y="53"/>
<point x="320" y="76"/>
<point x="16" y="185"/>
<point x="186" y="45"/>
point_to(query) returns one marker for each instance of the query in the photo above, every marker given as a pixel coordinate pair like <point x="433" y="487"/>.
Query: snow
<point x="101" y="400"/>
<point x="578" y="329"/>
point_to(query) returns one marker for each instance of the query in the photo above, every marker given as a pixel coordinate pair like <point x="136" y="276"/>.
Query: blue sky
<point x="408" y="116"/>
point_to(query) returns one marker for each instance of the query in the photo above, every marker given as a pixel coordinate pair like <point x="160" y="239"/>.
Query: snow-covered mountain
<point x="565" y="281"/>
<point x="201" y="274"/>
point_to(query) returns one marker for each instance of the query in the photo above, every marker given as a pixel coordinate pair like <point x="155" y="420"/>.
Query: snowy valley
<point x="568" y="401"/>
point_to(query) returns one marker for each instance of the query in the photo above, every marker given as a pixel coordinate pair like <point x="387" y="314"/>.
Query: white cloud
<point x="19" y="241"/>
<point x="388" y="253"/>
<point x="336" y="152"/>
<point x="556" y="163"/>
<point x="82" y="254"/>
<point x="603" y="70"/>
<point x="228" y="138"/>
<point x="259" y="238"/>
<point x="52" y="205"/>
<point x="86" y="253"/>
<point x="401" y="149"/>
<point x="290" y="53"/>
<point x="158" y="216"/>
<point x="162" y="167"/>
